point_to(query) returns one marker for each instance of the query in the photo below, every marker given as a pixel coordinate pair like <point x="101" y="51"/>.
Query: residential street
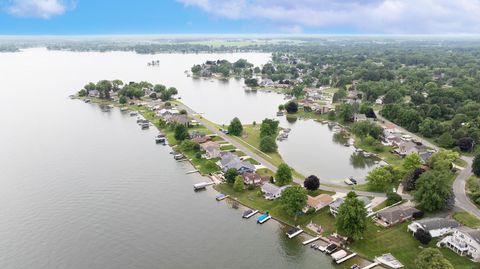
<point x="461" y="199"/>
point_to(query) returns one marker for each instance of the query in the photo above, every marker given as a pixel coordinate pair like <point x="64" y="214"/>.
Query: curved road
<point x="461" y="198"/>
<point x="214" y="129"/>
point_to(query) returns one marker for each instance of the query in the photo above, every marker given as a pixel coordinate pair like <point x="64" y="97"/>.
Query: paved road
<point x="461" y="199"/>
<point x="262" y="160"/>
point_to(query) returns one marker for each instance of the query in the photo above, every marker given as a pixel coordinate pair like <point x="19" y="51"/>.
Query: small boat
<point x="294" y="231"/>
<point x="201" y="185"/>
<point x="110" y="106"/>
<point x="313" y="246"/>
<point x="330" y="248"/>
<point x="263" y="218"/>
<point x="339" y="255"/>
<point x="123" y="109"/>
<point x="280" y="113"/>
<point x="145" y="125"/>
<point x="161" y="135"/>
<point x="160" y="140"/>
<point x="354" y="181"/>
<point x="348" y="182"/>
<point x="178" y="156"/>
<point x="367" y="154"/>
<point x="346" y="145"/>
<point x="221" y="197"/>
<point x="249" y="213"/>
<point x="355" y="266"/>
<point x="133" y="113"/>
<point x="87" y="101"/>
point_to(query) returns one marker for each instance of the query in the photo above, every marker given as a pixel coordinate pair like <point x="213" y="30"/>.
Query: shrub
<point x="423" y="236"/>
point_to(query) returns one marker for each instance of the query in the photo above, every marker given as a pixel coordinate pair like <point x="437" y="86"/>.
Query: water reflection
<point x="357" y="160"/>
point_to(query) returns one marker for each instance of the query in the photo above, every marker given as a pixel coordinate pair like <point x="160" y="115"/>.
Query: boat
<point x="201" y="185"/>
<point x="294" y="231"/>
<point x="367" y="154"/>
<point x="355" y="266"/>
<point x="145" y="125"/>
<point x="331" y="248"/>
<point x="87" y="101"/>
<point x="249" y="213"/>
<point x="280" y="113"/>
<point x="221" y="197"/>
<point x="339" y="255"/>
<point x="263" y="218"/>
<point x="178" y="156"/>
<point x="354" y="181"/>
<point x="133" y="113"/>
<point x="348" y="181"/>
<point x="123" y="109"/>
<point x="160" y="140"/>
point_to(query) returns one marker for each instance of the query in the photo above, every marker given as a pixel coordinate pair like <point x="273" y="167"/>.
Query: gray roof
<point x="397" y="213"/>
<point x="337" y="203"/>
<point x="473" y="233"/>
<point x="268" y="187"/>
<point x="437" y="223"/>
<point x="229" y="160"/>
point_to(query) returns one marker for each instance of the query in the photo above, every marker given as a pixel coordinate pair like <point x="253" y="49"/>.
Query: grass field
<point x="467" y="219"/>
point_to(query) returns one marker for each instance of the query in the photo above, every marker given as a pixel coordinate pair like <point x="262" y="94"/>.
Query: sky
<point x="97" y="17"/>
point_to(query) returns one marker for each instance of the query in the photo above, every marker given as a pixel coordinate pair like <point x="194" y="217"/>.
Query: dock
<point x="263" y="218"/>
<point x="311" y="240"/>
<point x="346" y="258"/>
<point x="294" y="232"/>
<point x="249" y="213"/>
<point x="201" y="185"/>
<point x="192" y="172"/>
<point x="371" y="265"/>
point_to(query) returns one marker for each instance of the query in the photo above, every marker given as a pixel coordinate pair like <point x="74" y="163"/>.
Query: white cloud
<point x="43" y="9"/>
<point x="367" y="16"/>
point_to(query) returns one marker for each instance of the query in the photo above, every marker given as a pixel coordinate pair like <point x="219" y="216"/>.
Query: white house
<point x="272" y="191"/>
<point x="437" y="227"/>
<point x="464" y="241"/>
<point x="337" y="203"/>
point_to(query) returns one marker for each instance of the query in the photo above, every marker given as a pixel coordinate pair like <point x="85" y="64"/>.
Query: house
<point x="359" y="117"/>
<point x="464" y="241"/>
<point x="406" y="148"/>
<point x="272" y="191"/>
<point x="425" y="155"/>
<point x="201" y="140"/>
<point x="395" y="214"/>
<point x="435" y="226"/>
<point x="177" y="119"/>
<point x="93" y="93"/>
<point x="337" y="203"/>
<point x="229" y="160"/>
<point x="254" y="178"/>
<point x="212" y="150"/>
<point x="379" y="100"/>
<point x="196" y="134"/>
<point x="393" y="140"/>
<point x="318" y="202"/>
<point x="266" y="83"/>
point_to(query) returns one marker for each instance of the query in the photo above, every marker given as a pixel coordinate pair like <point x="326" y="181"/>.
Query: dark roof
<point x="437" y="223"/>
<point x="397" y="213"/>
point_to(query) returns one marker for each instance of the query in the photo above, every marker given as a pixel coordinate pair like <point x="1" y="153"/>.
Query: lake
<point x="83" y="188"/>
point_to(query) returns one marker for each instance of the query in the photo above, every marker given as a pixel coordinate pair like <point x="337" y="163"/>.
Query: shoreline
<point x="306" y="231"/>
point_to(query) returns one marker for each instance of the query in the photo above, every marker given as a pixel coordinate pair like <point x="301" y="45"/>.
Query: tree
<point x="392" y="96"/>
<point x="433" y="190"/>
<point x="380" y="179"/>
<point x="251" y="82"/>
<point x="411" y="162"/>
<point x="269" y="127"/>
<point x="445" y="140"/>
<point x="312" y="183"/>
<point x="268" y="144"/>
<point x="104" y="87"/>
<point x="393" y="198"/>
<point x="345" y="112"/>
<point x="292" y="107"/>
<point x="432" y="258"/>
<point x="283" y="175"/>
<point x="423" y="236"/>
<point x="293" y="200"/>
<point x="351" y="219"/>
<point x="476" y="165"/>
<point x="238" y="185"/>
<point x="281" y="107"/>
<point x="410" y="181"/>
<point x="235" y="127"/>
<point x="443" y="159"/>
<point x="230" y="175"/>
<point x="297" y="91"/>
<point x="181" y="132"/>
<point x="465" y="143"/>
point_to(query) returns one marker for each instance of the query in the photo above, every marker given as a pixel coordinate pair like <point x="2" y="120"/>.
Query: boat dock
<point x="249" y="213"/>
<point x="292" y="232"/>
<point x="201" y="185"/>
<point x="371" y="265"/>
<point x="263" y="218"/>
<point x="311" y="240"/>
<point x="346" y="258"/>
<point x="192" y="172"/>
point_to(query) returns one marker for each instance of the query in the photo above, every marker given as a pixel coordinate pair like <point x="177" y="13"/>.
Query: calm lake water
<point x="82" y="188"/>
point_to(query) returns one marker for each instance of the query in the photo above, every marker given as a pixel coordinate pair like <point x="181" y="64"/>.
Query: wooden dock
<point x="371" y="265"/>
<point x="192" y="172"/>
<point x="306" y="242"/>
<point x="346" y="258"/>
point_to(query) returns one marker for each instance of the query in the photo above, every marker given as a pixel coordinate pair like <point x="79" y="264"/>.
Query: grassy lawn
<point x="380" y="206"/>
<point x="318" y="192"/>
<point x="401" y="244"/>
<point x="467" y="219"/>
